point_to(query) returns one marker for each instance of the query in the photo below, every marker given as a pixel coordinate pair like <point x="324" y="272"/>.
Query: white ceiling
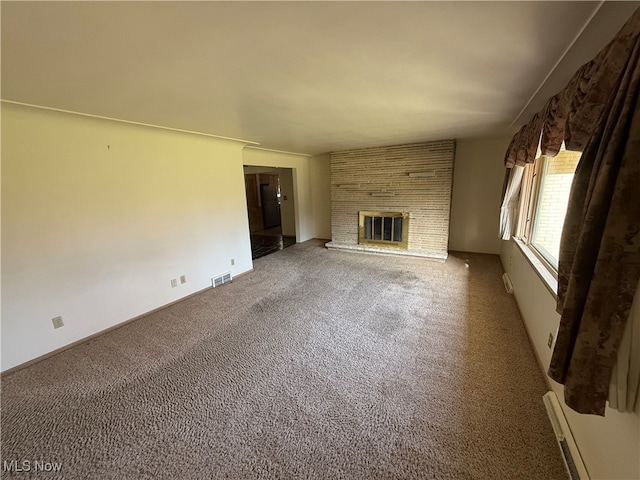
<point x="307" y="77"/>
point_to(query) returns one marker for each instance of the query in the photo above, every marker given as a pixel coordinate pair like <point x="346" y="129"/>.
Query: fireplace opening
<point x="388" y="229"/>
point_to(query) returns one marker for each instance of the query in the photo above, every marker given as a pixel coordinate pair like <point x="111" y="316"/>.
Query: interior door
<point x="270" y="204"/>
<point x="253" y="203"/>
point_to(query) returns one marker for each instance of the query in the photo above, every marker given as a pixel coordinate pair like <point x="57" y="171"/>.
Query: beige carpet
<point x="319" y="364"/>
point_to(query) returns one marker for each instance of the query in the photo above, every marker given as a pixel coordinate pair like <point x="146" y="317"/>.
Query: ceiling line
<point x="239" y="140"/>
<point x="564" y="54"/>
<point x="279" y="151"/>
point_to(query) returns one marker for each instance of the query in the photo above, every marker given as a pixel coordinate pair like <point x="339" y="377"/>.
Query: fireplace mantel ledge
<point x="438" y="256"/>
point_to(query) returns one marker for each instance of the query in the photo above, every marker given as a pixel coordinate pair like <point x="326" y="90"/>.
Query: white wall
<point x="321" y="195"/>
<point x="610" y="446"/>
<point x="302" y="184"/>
<point x="99" y="215"/>
<point x="287" y="202"/>
<point x="478" y="174"/>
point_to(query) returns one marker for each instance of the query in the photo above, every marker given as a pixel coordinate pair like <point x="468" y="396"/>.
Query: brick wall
<point x="565" y="162"/>
<point x="359" y="176"/>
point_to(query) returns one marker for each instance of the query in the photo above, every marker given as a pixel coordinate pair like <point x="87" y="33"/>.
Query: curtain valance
<point x="572" y="115"/>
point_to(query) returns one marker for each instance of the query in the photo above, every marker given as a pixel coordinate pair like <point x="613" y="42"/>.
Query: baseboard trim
<point x="33" y="361"/>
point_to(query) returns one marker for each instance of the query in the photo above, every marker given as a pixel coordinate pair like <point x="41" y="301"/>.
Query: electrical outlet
<point x="233" y="261"/>
<point x="174" y="283"/>
<point x="57" y="322"/>
<point x="183" y="279"/>
<point x="550" y="341"/>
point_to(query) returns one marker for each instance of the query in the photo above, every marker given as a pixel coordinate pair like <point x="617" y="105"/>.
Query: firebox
<point x="383" y="229"/>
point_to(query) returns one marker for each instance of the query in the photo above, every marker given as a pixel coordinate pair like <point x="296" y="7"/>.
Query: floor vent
<point x="221" y="280"/>
<point x="568" y="447"/>
<point x="508" y="286"/>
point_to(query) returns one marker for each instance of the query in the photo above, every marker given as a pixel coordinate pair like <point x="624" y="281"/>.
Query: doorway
<point x="270" y="197"/>
<point x="270" y="209"/>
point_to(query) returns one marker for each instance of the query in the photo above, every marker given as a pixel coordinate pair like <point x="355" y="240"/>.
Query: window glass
<point x="554" y="188"/>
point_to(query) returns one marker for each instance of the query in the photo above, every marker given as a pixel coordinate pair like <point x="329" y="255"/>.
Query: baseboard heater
<point x="221" y="279"/>
<point x="570" y="454"/>
<point x="508" y="286"/>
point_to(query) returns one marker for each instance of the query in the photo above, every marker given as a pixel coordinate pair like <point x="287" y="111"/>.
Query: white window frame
<point x="528" y="209"/>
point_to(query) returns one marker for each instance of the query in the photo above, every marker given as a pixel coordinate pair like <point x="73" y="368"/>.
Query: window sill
<point x="543" y="272"/>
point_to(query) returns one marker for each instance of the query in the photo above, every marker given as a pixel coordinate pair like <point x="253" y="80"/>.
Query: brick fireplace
<point x="372" y="186"/>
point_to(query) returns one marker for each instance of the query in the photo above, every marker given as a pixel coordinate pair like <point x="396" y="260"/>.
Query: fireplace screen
<point x="387" y="229"/>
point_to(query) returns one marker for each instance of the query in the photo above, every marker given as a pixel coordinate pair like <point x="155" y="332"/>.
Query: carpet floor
<point x="318" y="364"/>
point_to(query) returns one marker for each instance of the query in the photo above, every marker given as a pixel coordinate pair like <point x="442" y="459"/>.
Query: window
<point x="543" y="204"/>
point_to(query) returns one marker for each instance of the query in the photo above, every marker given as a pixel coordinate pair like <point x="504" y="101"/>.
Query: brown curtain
<point x="599" y="265"/>
<point x="573" y="115"/>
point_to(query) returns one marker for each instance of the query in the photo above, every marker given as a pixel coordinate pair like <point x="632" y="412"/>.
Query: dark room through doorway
<point x="270" y="209"/>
